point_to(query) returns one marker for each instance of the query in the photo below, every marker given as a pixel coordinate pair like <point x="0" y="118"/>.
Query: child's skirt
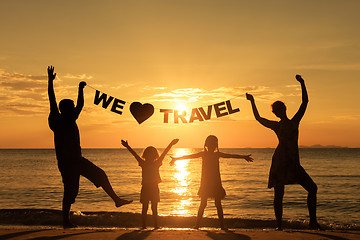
<point x="150" y="193"/>
<point x="212" y="191"/>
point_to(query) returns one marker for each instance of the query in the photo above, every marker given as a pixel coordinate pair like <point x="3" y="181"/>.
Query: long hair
<point x="150" y="154"/>
<point x="211" y="140"/>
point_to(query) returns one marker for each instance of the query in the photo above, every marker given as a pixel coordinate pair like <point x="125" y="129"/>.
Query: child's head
<point x="150" y="154"/>
<point x="211" y="143"/>
<point x="66" y="107"/>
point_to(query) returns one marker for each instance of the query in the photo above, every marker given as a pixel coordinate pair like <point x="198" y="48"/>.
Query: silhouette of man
<point x="71" y="164"/>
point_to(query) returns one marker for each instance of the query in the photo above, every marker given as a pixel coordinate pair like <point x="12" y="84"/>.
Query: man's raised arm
<point x="80" y="100"/>
<point x="51" y="93"/>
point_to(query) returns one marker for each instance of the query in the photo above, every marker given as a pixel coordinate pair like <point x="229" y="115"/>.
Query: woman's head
<point x="279" y="109"/>
<point x="150" y="154"/>
<point x="211" y="143"/>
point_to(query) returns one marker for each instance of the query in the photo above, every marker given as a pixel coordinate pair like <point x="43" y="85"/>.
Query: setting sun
<point x="181" y="107"/>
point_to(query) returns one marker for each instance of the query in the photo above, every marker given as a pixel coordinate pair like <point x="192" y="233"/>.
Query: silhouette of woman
<point x="285" y="167"/>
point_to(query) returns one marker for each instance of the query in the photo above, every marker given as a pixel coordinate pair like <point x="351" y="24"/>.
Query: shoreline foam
<point x="49" y="217"/>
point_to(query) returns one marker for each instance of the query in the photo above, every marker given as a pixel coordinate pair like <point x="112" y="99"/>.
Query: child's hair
<point x="150" y="154"/>
<point x="211" y="140"/>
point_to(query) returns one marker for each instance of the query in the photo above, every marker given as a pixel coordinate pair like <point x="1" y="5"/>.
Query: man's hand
<point x="82" y="84"/>
<point x="299" y="78"/>
<point x="51" y="73"/>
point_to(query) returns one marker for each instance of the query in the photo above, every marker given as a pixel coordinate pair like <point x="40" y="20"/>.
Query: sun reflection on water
<point x="182" y="181"/>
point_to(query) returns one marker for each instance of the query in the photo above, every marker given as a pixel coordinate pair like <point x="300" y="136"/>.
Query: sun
<point x="181" y="107"/>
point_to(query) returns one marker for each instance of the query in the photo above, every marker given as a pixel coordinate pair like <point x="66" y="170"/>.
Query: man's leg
<point x="71" y="188"/>
<point x="98" y="176"/>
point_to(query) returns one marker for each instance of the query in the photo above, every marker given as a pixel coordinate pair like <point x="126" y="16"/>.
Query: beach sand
<point x="15" y="233"/>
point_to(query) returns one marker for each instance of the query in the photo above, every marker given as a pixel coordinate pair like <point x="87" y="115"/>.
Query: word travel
<point x="221" y="109"/>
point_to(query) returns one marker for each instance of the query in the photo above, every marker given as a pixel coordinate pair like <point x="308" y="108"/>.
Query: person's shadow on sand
<point x="227" y="235"/>
<point x="135" y="235"/>
<point x="325" y="235"/>
<point x="18" y="234"/>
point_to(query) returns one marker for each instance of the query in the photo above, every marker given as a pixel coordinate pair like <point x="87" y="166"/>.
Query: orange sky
<point x="196" y="53"/>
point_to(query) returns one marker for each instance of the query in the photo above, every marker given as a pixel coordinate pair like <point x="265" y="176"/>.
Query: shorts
<point x="71" y="176"/>
<point x="150" y="193"/>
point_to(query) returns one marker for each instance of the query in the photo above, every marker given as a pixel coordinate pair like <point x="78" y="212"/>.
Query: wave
<point x="51" y="217"/>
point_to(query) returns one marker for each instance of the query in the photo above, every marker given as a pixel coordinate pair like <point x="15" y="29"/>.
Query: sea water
<point x="29" y="179"/>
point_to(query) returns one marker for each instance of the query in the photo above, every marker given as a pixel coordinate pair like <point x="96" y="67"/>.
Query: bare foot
<point x="315" y="226"/>
<point x="69" y="225"/>
<point x="120" y="202"/>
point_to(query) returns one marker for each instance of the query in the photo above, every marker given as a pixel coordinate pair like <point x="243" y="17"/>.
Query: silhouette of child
<point x="71" y="164"/>
<point x="150" y="162"/>
<point x="285" y="166"/>
<point x="210" y="186"/>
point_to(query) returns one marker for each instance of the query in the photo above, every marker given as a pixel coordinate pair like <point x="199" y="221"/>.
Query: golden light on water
<point x="182" y="181"/>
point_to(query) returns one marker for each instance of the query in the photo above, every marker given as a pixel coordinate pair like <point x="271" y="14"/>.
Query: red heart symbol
<point x="141" y="112"/>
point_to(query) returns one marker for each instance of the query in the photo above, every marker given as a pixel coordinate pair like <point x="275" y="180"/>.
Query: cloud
<point x="331" y="67"/>
<point x="347" y="117"/>
<point x="27" y="94"/>
<point x="190" y="95"/>
<point x="149" y="88"/>
<point x="78" y="76"/>
<point x="18" y="81"/>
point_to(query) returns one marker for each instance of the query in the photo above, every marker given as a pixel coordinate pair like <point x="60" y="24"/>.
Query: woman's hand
<point x="299" y="78"/>
<point x="249" y="97"/>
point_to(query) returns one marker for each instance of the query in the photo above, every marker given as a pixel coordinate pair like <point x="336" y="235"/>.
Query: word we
<point x="221" y="109"/>
<point x="117" y="104"/>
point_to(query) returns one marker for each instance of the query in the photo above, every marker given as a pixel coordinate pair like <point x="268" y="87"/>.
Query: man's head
<point x="66" y="107"/>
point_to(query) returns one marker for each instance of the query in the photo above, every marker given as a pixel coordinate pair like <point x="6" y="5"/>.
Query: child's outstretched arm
<point x="137" y="157"/>
<point x="167" y="149"/>
<point x="248" y="157"/>
<point x="195" y="155"/>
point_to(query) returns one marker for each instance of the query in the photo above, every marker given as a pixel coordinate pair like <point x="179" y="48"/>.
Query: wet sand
<point x="16" y="233"/>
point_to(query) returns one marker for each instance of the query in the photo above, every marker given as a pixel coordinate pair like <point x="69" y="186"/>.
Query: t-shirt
<point x="150" y="172"/>
<point x="66" y="138"/>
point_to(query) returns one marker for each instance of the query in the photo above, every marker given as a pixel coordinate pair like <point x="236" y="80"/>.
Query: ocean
<point x="30" y="181"/>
